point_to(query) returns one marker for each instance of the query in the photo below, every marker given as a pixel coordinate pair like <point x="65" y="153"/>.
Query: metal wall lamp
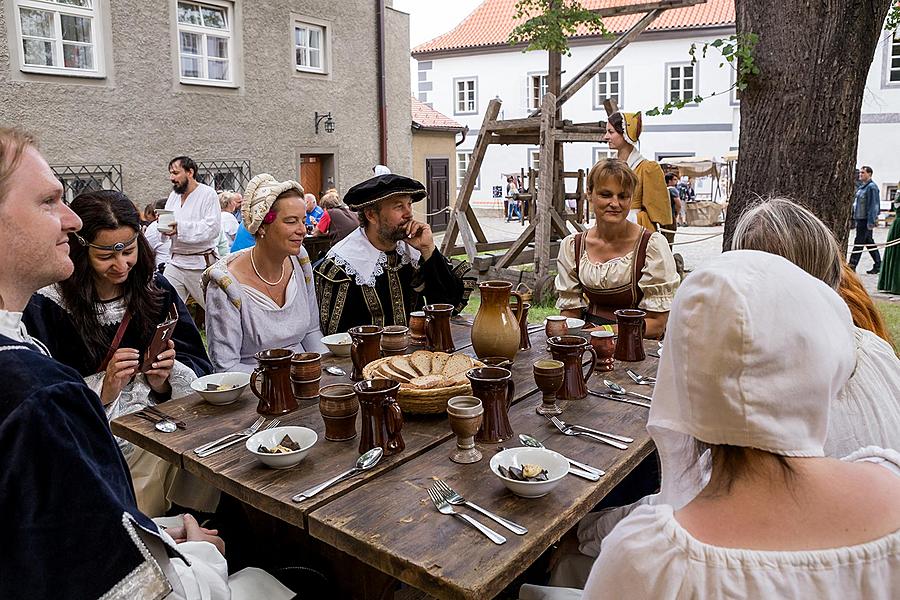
<point x="329" y="122"/>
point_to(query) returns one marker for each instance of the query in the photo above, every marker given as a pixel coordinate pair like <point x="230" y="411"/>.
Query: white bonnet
<point x="259" y="197"/>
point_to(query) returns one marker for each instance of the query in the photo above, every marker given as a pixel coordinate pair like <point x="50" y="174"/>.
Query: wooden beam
<point x="532" y="139"/>
<point x="528" y="123"/>
<point x="468" y="242"/>
<point x="547" y="188"/>
<point x="575" y="136"/>
<point x="465" y="191"/>
<point x="517" y="247"/>
<point x="559" y="223"/>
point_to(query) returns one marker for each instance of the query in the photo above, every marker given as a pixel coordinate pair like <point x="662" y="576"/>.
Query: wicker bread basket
<point x="423" y="402"/>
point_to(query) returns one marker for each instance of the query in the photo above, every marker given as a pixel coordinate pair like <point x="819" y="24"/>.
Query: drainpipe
<point x="382" y="109"/>
<point x="463" y="132"/>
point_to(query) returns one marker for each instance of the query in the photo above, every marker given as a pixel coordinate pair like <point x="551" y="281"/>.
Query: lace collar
<point x="364" y="262"/>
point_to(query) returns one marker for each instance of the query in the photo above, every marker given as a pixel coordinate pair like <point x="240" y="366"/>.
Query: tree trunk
<point x="800" y="115"/>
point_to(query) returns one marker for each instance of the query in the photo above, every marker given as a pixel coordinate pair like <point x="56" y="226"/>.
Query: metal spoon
<point x="335" y="371"/>
<point x="618" y="389"/>
<point x="580" y="469"/>
<point x="164" y="425"/>
<point x="363" y="463"/>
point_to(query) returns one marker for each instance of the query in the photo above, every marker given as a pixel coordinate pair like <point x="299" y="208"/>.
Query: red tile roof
<point x="491" y="22"/>
<point x="427" y="118"/>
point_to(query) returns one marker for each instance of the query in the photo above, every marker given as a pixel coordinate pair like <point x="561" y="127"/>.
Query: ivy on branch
<point x="549" y="24"/>
<point x="893" y="18"/>
<point x="737" y="51"/>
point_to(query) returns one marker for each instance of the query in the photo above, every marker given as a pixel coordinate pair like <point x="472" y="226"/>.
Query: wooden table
<point x="383" y="517"/>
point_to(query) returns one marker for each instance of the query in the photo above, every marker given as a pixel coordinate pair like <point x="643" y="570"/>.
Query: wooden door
<point x="437" y="184"/>
<point x="311" y="174"/>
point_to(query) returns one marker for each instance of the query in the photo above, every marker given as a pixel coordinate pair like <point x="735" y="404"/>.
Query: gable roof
<point x="425" y="117"/>
<point x="490" y="23"/>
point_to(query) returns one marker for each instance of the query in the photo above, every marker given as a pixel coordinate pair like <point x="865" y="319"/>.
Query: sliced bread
<point x="388" y="371"/>
<point x="438" y="360"/>
<point x="421" y="361"/>
<point x="456" y="364"/>
<point x="401" y="365"/>
<point x="457" y="379"/>
<point x="427" y="382"/>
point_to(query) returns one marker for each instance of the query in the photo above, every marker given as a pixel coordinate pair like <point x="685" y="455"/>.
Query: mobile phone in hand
<point x="160" y="341"/>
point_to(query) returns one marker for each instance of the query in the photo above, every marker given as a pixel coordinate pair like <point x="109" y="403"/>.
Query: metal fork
<point x="640" y="379"/>
<point x="443" y="507"/>
<point x="246" y="432"/>
<point x="454" y="498"/>
<point x="214" y="449"/>
<point x="619" y="438"/>
<point x="570" y="431"/>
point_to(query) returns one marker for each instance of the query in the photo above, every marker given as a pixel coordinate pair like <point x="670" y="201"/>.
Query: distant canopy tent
<point x="693" y="166"/>
<point x="698" y="214"/>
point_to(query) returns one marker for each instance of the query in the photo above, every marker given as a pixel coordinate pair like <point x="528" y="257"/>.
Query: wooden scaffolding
<point x="548" y="219"/>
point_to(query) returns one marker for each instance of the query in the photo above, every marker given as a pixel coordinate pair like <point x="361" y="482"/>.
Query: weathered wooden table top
<point x="383" y="516"/>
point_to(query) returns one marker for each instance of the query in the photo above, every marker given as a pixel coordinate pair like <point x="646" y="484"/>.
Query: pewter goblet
<point x="465" y="414"/>
<point x="549" y="376"/>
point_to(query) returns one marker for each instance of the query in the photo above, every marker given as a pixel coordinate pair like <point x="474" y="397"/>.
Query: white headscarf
<point x="260" y="195"/>
<point x="755" y="351"/>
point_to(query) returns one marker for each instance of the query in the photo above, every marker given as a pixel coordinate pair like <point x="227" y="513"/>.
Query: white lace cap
<point x="755" y="352"/>
<point x="363" y="261"/>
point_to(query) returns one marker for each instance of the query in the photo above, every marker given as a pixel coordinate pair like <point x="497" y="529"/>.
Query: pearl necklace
<point x="255" y="270"/>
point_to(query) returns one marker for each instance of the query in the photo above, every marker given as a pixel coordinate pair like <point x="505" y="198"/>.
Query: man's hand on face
<point x="419" y="236"/>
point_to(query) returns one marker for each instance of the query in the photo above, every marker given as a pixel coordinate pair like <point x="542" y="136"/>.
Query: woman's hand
<point x="158" y="375"/>
<point x="191" y="531"/>
<point x="121" y="368"/>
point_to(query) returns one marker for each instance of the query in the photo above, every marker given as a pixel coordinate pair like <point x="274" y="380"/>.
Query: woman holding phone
<point x="102" y="322"/>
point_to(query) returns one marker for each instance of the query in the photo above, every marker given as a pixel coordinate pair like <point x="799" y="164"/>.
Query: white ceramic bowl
<point x="556" y="466"/>
<point x="304" y="436"/>
<point x="338" y="343"/>
<point x="239" y="380"/>
<point x="574" y="324"/>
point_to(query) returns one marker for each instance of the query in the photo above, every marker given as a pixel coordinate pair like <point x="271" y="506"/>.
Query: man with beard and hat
<point x="195" y="232"/>
<point x="389" y="266"/>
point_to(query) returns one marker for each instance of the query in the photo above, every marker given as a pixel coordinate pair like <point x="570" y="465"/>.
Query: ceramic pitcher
<point x="496" y="330"/>
<point x="632" y="326"/>
<point x="271" y="382"/>
<point x="569" y="349"/>
<point x="495" y="388"/>
<point x="382" y="419"/>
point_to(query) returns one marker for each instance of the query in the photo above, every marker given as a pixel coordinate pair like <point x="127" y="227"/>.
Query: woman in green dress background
<point x="889" y="279"/>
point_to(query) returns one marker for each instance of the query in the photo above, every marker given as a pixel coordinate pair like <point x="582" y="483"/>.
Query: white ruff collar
<point x="634" y="159"/>
<point x="359" y="258"/>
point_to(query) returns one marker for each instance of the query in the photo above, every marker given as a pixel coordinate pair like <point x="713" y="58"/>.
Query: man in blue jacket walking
<point x="865" y="214"/>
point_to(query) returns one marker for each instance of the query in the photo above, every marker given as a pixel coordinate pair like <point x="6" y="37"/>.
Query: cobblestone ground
<point x="695" y="244"/>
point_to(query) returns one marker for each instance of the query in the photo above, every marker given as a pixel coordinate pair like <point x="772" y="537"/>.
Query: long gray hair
<point x="783" y="227"/>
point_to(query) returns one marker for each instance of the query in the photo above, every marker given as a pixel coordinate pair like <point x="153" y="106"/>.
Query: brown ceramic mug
<point x="556" y="325"/>
<point x="381" y="417"/>
<point x="632" y="327"/>
<point x="394" y="340"/>
<point x="365" y="348"/>
<point x="437" y="327"/>
<point x="306" y="390"/>
<point x="306" y="366"/>
<point x="271" y="382"/>
<point x="339" y="407"/>
<point x="570" y="350"/>
<point x="417" y="327"/>
<point x="604" y="344"/>
<point x="495" y="388"/>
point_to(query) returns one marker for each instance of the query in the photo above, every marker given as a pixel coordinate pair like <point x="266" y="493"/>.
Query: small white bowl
<point x="557" y="467"/>
<point x="338" y="343"/>
<point x="220" y="398"/>
<point x="574" y="324"/>
<point x="304" y="436"/>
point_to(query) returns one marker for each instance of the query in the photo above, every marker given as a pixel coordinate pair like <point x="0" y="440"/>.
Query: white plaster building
<point x="459" y="72"/>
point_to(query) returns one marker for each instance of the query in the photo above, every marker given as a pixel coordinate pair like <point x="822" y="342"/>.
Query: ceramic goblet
<point x="465" y="414"/>
<point x="549" y="375"/>
<point x="604" y="344"/>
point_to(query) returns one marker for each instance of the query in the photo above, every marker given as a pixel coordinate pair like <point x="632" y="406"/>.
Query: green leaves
<point x="549" y="24"/>
<point x="893" y="18"/>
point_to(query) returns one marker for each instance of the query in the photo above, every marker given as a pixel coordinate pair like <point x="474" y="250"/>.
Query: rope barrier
<point x="680" y="232"/>
<point x="867" y="247"/>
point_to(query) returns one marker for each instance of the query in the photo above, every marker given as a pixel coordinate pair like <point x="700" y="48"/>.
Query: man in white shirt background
<point x="194" y="233"/>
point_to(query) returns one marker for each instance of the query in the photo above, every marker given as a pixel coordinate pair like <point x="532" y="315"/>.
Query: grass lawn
<point x="536" y="314"/>
<point x="891" y="313"/>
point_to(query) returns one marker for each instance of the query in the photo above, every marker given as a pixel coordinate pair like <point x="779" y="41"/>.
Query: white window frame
<point x="893" y="44"/>
<point x="533" y="159"/>
<point x="93" y="13"/>
<point x="534" y="101"/>
<point x="461" y="107"/>
<point x="324" y="48"/>
<point x="598" y="152"/>
<point x="203" y="32"/>
<point x="599" y="96"/>
<point x="695" y="81"/>
<point x="461" y="173"/>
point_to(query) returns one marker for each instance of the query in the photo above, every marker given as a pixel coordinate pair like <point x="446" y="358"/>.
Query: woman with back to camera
<point x="100" y="321"/>
<point x="263" y="297"/>
<point x="616" y="264"/>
